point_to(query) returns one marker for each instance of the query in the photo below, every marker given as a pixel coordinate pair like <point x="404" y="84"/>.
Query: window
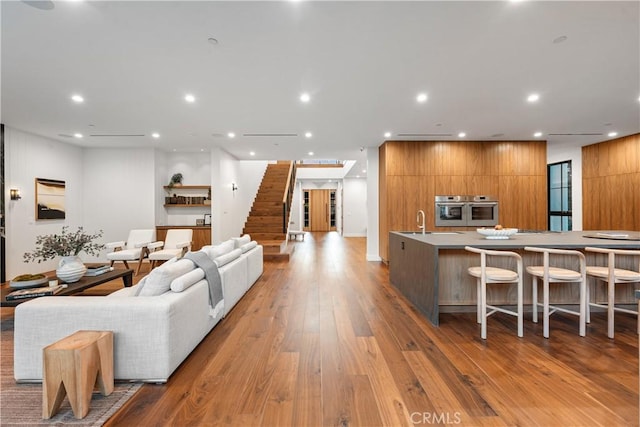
<point x="559" y="195"/>
<point x="306" y="220"/>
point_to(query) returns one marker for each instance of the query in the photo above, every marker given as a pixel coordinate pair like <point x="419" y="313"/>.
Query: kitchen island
<point x="430" y="269"/>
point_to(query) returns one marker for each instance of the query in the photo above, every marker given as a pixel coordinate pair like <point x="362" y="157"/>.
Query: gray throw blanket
<point x="211" y="274"/>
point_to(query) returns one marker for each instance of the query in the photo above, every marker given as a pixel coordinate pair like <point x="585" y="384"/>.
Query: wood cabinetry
<point x="412" y="173"/>
<point x="188" y="196"/>
<point x="201" y="235"/>
<point x="611" y="185"/>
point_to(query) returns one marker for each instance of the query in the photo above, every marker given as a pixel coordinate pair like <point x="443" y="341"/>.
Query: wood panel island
<point x="430" y="269"/>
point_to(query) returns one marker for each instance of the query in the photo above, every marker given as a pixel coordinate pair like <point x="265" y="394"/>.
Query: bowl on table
<point x="493" y="234"/>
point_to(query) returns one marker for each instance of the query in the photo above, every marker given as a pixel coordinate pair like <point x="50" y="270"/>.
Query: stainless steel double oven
<point x="466" y="211"/>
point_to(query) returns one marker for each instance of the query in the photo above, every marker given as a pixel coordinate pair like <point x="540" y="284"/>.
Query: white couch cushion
<point x="248" y="246"/>
<point x="239" y="241"/>
<point x="215" y="251"/>
<point x="159" y="280"/>
<point x="227" y="258"/>
<point x="181" y="283"/>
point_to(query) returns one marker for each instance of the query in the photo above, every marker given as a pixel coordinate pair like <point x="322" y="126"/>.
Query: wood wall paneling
<point x="513" y="171"/>
<point x="611" y="184"/>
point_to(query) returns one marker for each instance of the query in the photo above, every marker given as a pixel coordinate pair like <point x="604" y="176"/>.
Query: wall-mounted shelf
<point x="188" y="205"/>
<point x="187" y="187"/>
<point x="186" y="199"/>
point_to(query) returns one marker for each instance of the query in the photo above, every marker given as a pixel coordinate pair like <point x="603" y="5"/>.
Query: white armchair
<point x="176" y="244"/>
<point x="136" y="248"/>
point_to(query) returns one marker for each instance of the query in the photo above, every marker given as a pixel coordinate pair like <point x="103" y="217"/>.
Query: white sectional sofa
<point x="156" y="323"/>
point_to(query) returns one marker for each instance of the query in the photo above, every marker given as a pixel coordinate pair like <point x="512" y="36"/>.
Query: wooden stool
<point x="73" y="366"/>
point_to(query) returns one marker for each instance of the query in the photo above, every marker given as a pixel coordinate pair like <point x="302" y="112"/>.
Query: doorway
<point x="319" y="210"/>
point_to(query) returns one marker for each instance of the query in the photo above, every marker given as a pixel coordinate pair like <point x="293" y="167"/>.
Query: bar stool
<point x="490" y="275"/>
<point x="612" y="276"/>
<point x="550" y="274"/>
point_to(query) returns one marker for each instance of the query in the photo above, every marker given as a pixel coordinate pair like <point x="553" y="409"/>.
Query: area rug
<point x="21" y="404"/>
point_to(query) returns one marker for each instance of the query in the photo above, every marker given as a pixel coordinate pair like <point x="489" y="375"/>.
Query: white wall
<point x="561" y="153"/>
<point x="231" y="208"/>
<point x="249" y="178"/>
<point x="373" y="249"/>
<point x="354" y="207"/>
<point x="28" y="157"/>
<point x="119" y="191"/>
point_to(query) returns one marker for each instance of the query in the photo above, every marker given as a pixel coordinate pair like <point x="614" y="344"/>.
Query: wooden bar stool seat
<point x="612" y="276"/>
<point x="487" y="275"/>
<point x="74" y="366"/>
<point x="550" y="274"/>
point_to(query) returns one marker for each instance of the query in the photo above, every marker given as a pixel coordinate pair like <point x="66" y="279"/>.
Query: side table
<point x="73" y="366"/>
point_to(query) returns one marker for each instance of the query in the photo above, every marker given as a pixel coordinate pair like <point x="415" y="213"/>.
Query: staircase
<point x="269" y="216"/>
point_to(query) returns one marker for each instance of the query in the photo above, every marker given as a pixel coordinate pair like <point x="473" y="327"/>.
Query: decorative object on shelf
<point x="50" y="199"/>
<point x="28" y="281"/>
<point x="68" y="246"/>
<point x="14" y="193"/>
<point x="176" y="180"/>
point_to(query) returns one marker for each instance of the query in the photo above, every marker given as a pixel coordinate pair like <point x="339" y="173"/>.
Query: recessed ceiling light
<point x="311" y="153"/>
<point x="77" y="99"/>
<point x="174" y="149"/>
<point x="422" y="97"/>
<point x="639" y="99"/>
<point x="231" y="135"/>
<point x="202" y="149"/>
<point x="305" y="97"/>
<point x="462" y="135"/>
<point x="308" y="134"/>
<point x="155" y="135"/>
<point x="252" y="153"/>
<point x="189" y="98"/>
<point x="612" y="134"/>
<point x="537" y="134"/>
<point x="533" y="97"/>
<point x="364" y="171"/>
<point x="387" y="134"/>
<point x="77" y="135"/>
<point x="357" y="176"/>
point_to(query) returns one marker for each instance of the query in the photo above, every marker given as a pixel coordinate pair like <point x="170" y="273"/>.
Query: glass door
<point x="559" y="195"/>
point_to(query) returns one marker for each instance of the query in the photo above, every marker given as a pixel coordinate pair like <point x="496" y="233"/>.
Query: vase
<point x="70" y="269"/>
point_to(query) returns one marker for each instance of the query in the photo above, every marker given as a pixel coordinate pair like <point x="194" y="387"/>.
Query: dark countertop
<point x="565" y="240"/>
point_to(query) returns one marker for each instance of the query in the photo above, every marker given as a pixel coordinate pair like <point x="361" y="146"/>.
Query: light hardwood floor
<point x="326" y="340"/>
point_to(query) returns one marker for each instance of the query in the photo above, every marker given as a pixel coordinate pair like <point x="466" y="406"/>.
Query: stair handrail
<point x="288" y="196"/>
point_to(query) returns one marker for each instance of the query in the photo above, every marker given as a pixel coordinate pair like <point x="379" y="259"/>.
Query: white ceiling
<point x="362" y="62"/>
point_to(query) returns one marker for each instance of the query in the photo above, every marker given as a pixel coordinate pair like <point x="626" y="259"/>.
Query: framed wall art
<point x="50" y="199"/>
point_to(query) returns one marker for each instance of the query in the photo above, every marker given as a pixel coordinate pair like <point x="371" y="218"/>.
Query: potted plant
<point x="176" y="180"/>
<point x="66" y="245"/>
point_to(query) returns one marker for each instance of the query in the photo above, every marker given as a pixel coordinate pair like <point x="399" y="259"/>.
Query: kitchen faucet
<point x="420" y="214"/>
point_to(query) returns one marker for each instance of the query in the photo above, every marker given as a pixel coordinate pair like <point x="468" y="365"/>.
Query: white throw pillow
<point x="215" y="251"/>
<point x="159" y="280"/>
<point x="187" y="280"/>
<point x="239" y="241"/>
<point x="227" y="258"/>
<point x="248" y="246"/>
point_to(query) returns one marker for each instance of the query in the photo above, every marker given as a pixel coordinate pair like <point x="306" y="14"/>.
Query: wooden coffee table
<point x="85" y="282"/>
